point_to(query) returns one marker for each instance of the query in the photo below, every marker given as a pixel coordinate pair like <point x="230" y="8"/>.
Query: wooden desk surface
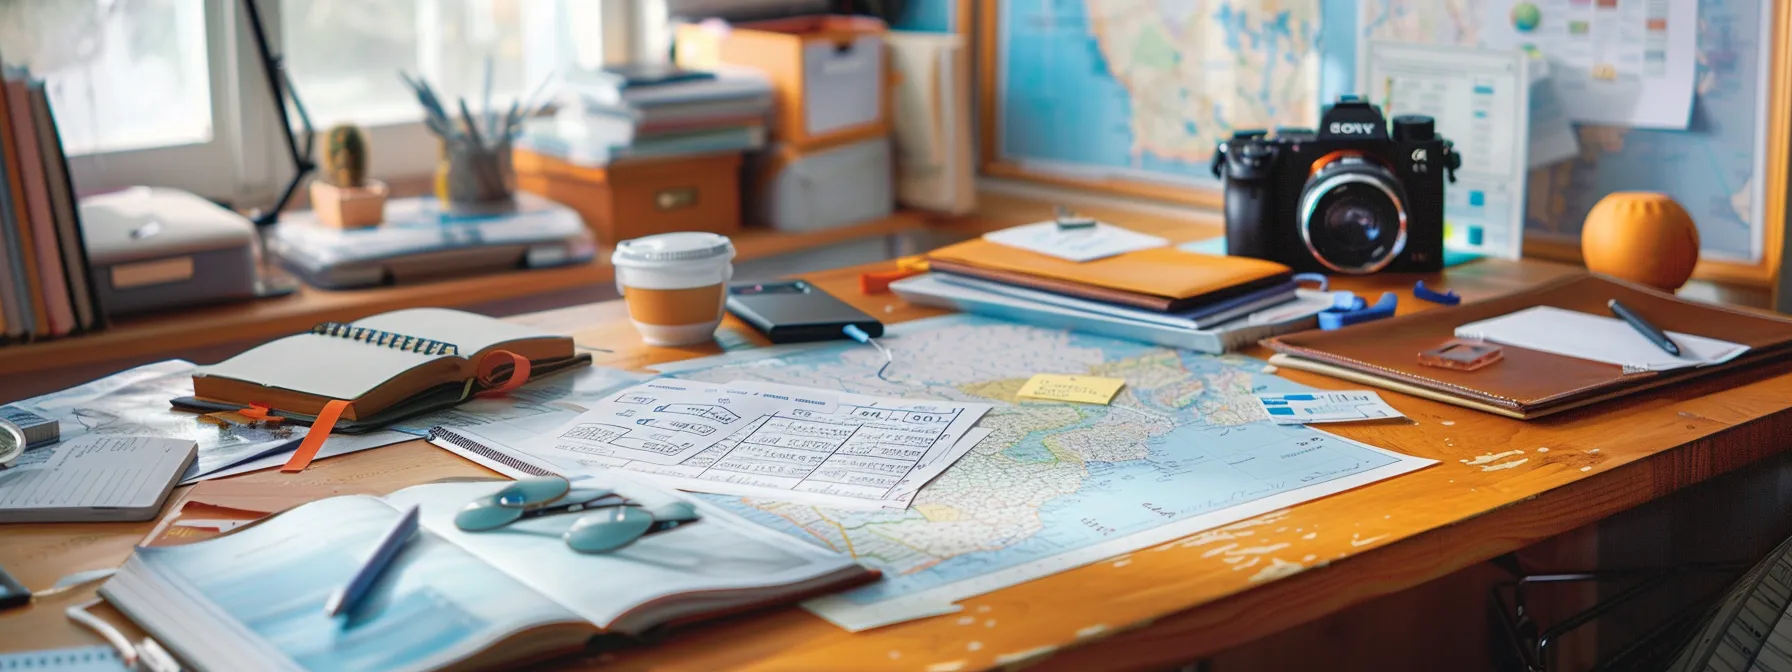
<point x="1177" y="601"/>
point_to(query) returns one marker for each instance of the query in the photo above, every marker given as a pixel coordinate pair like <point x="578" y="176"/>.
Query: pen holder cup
<point x="471" y="181"/>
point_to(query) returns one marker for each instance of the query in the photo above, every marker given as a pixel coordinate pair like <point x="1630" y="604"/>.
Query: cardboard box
<point x="830" y="76"/>
<point x="639" y="197"/>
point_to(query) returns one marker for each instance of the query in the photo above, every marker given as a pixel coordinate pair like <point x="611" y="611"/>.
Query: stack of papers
<point x="1572" y="333"/>
<point x="770" y="441"/>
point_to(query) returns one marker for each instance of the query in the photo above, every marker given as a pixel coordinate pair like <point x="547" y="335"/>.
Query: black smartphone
<point x="12" y="593"/>
<point x="793" y="311"/>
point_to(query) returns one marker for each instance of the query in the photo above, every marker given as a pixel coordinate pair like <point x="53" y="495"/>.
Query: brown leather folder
<point x="1526" y="383"/>
<point x="1163" y="278"/>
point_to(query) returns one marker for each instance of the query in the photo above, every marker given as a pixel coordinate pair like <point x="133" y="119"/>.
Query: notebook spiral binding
<point x="386" y="339"/>
<point x="480" y="450"/>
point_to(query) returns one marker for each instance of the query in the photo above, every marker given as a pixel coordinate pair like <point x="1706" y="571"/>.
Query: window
<point x="170" y="92"/>
<point x="345" y="55"/>
<point x="121" y="75"/>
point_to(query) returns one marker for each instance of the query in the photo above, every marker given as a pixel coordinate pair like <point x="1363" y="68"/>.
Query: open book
<point x="253" y="599"/>
<point x="384" y="361"/>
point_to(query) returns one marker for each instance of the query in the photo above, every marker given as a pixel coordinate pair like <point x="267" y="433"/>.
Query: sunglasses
<point x="614" y="521"/>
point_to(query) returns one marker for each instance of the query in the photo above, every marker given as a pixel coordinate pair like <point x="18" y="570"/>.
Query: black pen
<point x="1642" y="326"/>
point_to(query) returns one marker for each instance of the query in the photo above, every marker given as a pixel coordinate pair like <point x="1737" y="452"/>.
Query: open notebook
<point x="423" y="358"/>
<point x="253" y="599"/>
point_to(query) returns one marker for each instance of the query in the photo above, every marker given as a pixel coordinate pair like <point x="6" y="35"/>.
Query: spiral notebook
<point x="96" y="658"/>
<point x="396" y="359"/>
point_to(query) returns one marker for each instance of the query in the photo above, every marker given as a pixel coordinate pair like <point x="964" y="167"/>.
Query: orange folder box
<point x="830" y="75"/>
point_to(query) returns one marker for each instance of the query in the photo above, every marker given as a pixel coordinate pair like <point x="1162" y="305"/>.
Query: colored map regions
<point x="1145" y="89"/>
<point x="1711" y="168"/>
<point x="1056" y="484"/>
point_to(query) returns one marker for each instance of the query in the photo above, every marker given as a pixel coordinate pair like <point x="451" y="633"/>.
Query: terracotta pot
<point x="1643" y="237"/>
<point x="349" y="207"/>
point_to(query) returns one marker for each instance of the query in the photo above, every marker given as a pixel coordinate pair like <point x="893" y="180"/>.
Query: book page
<point x="468" y="331"/>
<point x="434" y="605"/>
<point x="325" y="366"/>
<point x="712" y="554"/>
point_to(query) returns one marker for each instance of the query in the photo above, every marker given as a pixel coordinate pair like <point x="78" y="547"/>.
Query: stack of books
<point x="45" y="289"/>
<point x="629" y="112"/>
<point x="1162" y="295"/>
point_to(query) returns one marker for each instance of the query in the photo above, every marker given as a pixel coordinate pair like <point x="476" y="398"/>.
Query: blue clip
<point x="1336" y="319"/>
<point x="1446" y="297"/>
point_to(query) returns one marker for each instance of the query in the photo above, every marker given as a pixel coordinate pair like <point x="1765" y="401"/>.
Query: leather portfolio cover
<point x="1162" y="278"/>
<point x="1526" y="383"/>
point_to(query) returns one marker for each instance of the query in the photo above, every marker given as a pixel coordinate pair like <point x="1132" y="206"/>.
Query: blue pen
<point x="362" y="582"/>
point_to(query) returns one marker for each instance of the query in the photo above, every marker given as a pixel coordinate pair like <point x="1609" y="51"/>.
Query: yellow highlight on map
<point x="1063" y="387"/>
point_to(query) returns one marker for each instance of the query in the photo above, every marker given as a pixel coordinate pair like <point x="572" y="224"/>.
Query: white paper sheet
<point x="1601" y="339"/>
<point x="1304" y="408"/>
<point x="664" y="421"/>
<point x="1098" y="242"/>
<point x="1480" y="100"/>
<point x="867" y="453"/>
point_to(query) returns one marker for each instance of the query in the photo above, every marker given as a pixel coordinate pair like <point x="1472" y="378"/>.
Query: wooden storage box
<point x="640" y="197"/>
<point x="830" y="78"/>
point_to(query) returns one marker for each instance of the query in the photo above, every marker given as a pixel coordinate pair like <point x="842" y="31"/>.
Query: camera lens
<point x="1353" y="218"/>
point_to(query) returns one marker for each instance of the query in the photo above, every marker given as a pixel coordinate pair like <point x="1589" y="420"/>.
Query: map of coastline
<point x="1184" y="447"/>
<point x="1145" y="89"/>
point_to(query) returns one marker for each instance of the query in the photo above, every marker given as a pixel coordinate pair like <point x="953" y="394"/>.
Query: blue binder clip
<point x="1337" y="319"/>
<point x="1446" y="297"/>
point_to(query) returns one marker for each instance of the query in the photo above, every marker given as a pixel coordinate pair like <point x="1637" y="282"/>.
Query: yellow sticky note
<point x="1063" y="387"/>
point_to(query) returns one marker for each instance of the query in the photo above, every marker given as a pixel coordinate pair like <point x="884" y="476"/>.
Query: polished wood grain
<point x="1180" y="600"/>
<point x="134" y="337"/>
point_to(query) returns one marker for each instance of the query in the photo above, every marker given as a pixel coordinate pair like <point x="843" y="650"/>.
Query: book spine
<point x="57" y="304"/>
<point x="32" y="306"/>
<point x="63" y="207"/>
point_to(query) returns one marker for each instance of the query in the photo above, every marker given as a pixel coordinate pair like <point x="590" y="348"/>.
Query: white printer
<point x="151" y="249"/>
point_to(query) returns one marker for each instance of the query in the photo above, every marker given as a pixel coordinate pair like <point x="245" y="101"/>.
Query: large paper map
<point x="1183" y="448"/>
<point x="1722" y="144"/>
<point x="1145" y="89"/>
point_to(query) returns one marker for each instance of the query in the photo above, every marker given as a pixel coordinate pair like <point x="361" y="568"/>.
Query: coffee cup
<point x="674" y="284"/>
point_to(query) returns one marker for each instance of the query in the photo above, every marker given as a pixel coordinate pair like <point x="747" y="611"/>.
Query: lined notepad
<point x="93" y="477"/>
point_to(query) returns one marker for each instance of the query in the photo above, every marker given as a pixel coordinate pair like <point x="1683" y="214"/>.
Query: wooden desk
<point x="1177" y="601"/>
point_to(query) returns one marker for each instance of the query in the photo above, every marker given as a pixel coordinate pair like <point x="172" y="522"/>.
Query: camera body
<point x="1349" y="197"/>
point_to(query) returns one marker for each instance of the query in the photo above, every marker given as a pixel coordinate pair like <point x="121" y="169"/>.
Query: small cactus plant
<point x="345" y="156"/>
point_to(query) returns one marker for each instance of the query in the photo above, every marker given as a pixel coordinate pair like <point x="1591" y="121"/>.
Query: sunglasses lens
<point x="485" y="514"/>
<point x="608" y="530"/>
<point x="532" y="492"/>
<point x="674" y="512"/>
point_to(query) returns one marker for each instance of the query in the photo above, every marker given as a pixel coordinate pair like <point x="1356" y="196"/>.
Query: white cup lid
<point x="681" y="246"/>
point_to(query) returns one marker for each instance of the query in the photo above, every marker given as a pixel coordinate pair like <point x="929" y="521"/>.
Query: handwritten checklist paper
<point x="1062" y="387"/>
<point x="815" y="447"/>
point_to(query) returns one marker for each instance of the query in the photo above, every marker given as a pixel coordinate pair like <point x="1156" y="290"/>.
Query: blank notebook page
<point x="1601" y="339"/>
<point x="467" y="331"/>
<point x="326" y="366"/>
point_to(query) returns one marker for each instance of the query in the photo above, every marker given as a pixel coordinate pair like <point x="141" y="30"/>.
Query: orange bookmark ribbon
<point x="489" y="365"/>
<point x="314" y="437"/>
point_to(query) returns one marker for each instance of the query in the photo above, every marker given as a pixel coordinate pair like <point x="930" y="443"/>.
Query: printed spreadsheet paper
<point x="840" y="450"/>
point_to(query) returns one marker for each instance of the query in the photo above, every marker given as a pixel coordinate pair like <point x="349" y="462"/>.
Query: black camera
<point x="1347" y="198"/>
